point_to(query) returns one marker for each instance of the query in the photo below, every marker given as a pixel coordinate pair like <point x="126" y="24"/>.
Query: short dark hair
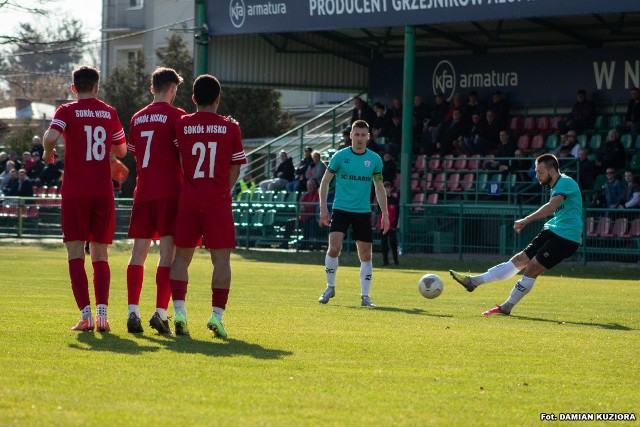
<point x="360" y="124"/>
<point x="85" y="78"/>
<point x="549" y="160"/>
<point x="163" y="77"/>
<point x="206" y="89"/>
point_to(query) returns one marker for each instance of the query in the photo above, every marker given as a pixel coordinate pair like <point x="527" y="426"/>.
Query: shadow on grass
<point x="219" y="348"/>
<point x="110" y="342"/>
<point x="414" y="311"/>
<point x="610" y="326"/>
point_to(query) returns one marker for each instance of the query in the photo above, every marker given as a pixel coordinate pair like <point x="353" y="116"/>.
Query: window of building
<point x="136" y="4"/>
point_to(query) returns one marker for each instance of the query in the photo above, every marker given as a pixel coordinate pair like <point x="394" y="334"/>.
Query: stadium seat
<point x="421" y="163"/>
<point x="439" y="182"/>
<point x="627" y="141"/>
<point x="634" y="163"/>
<point x="615" y="121"/>
<point x="34" y="212"/>
<point x="582" y="140"/>
<point x="595" y="142"/>
<point x="600" y="123"/>
<point x="416" y="182"/>
<point x="544" y="124"/>
<point x="487" y="159"/>
<point x="515" y="124"/>
<point x="537" y="143"/>
<point x="619" y="228"/>
<point x="523" y="143"/>
<point x="529" y="124"/>
<point x="551" y="142"/>
<point x="553" y="123"/>
<point x="432" y="199"/>
<point x="474" y="162"/>
<point x="467" y="181"/>
<point x="453" y="182"/>
<point x="591" y="227"/>
<point x="634" y="230"/>
<point x="428" y="182"/>
<point x="481" y="184"/>
<point x="460" y="163"/>
<point x="418" y="201"/>
<point x="434" y="162"/>
<point x="447" y="162"/>
<point x="603" y="229"/>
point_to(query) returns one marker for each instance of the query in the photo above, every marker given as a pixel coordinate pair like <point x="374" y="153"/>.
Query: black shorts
<point x="360" y="222"/>
<point x="550" y="249"/>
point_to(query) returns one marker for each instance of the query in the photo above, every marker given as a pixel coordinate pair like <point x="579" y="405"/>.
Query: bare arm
<point x="323" y="192"/>
<point x="119" y="150"/>
<point x="543" y="211"/>
<point x="233" y="175"/>
<point x="49" y="142"/>
<point x="381" y="195"/>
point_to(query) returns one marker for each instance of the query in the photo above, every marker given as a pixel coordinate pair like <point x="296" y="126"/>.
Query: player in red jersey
<point x="152" y="139"/>
<point x="211" y="150"/>
<point x="91" y="130"/>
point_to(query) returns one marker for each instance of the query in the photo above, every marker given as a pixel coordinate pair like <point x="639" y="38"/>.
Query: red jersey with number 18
<point x="89" y="127"/>
<point x="209" y="144"/>
<point x="152" y="139"/>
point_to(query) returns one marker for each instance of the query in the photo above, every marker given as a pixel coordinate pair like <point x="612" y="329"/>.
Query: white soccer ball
<point x="430" y="286"/>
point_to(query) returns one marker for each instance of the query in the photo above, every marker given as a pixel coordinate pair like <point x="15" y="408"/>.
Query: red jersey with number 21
<point x="89" y="127"/>
<point x="209" y="144"/>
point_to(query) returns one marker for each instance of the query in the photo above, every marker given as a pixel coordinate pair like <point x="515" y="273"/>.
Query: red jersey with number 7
<point x="209" y="144"/>
<point x="89" y="127"/>
<point x="152" y="139"/>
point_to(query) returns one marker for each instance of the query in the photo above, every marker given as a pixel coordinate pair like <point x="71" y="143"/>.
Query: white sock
<point x="134" y="308"/>
<point x="503" y="271"/>
<point x="162" y="313"/>
<point x="102" y="310"/>
<point x="518" y="292"/>
<point x="218" y="312"/>
<point x="179" y="307"/>
<point x="366" y="271"/>
<point x="331" y="268"/>
<point x="86" y="312"/>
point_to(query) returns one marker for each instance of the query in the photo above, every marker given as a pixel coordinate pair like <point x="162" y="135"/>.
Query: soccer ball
<point x="430" y="286"/>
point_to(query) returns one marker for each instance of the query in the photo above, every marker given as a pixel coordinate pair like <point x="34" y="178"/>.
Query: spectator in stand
<point x="632" y="118"/>
<point x="467" y="144"/>
<point x="395" y="131"/>
<point x="389" y="168"/>
<point x="389" y="240"/>
<point x="456" y="104"/>
<point x="6" y="175"/>
<point x="631" y="195"/>
<point x="475" y="105"/>
<point x="438" y="116"/>
<point x="612" y="153"/>
<point x="613" y="189"/>
<point x="582" y="114"/>
<point x="13" y="156"/>
<point x="396" y="106"/>
<point x="300" y="181"/>
<point x="524" y="168"/>
<point x="381" y="123"/>
<point x="307" y="219"/>
<point x="421" y="118"/>
<point x="449" y="132"/>
<point x="36" y="145"/>
<point x="570" y="145"/>
<point x="36" y="169"/>
<point x="245" y="184"/>
<point x="488" y="136"/>
<point x="506" y="148"/>
<point x="587" y="171"/>
<point x="11" y="186"/>
<point x="316" y="171"/>
<point x="23" y="187"/>
<point x="27" y="161"/>
<point x="283" y="175"/>
<point x="4" y="158"/>
<point x="346" y="140"/>
<point x="52" y="173"/>
<point x="362" y="111"/>
<point x="500" y="107"/>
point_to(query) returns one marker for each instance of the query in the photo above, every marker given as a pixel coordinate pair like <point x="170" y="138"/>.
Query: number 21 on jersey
<point x="200" y="150"/>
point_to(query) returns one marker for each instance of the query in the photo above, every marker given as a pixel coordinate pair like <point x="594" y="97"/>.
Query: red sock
<point x="163" y="287"/>
<point x="178" y="289"/>
<point x="219" y="297"/>
<point x="79" y="282"/>
<point x="101" y="281"/>
<point x="135" y="276"/>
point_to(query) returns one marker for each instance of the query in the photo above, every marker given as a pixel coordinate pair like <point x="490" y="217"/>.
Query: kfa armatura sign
<point x="226" y="17"/>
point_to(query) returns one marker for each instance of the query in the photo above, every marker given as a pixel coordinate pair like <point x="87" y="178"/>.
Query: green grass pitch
<point x="570" y="346"/>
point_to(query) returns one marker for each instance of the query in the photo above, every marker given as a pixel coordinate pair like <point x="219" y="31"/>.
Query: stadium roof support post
<point x="407" y="126"/>
<point x="201" y="40"/>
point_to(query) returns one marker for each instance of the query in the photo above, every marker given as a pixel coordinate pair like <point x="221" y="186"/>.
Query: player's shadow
<point x="219" y="348"/>
<point x="110" y="342"/>
<point x="610" y="326"/>
<point x="414" y="311"/>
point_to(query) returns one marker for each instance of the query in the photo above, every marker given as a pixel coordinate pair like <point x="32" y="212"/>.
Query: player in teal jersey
<point x="559" y="239"/>
<point x="354" y="168"/>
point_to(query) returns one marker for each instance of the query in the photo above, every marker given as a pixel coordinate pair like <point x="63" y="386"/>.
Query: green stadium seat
<point x="582" y="140"/>
<point x="627" y="142"/>
<point x="615" y="121"/>
<point x="600" y="123"/>
<point x="552" y="142"/>
<point x="595" y="142"/>
<point x="634" y="164"/>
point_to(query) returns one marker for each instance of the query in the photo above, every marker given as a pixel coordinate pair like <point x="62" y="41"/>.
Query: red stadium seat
<point x="634" y="230"/>
<point x="418" y="201"/>
<point x="523" y="143"/>
<point x="537" y="143"/>
<point x="421" y="163"/>
<point x="591" y="227"/>
<point x="428" y="181"/>
<point x="432" y="199"/>
<point x="460" y="162"/>
<point x="604" y="227"/>
<point x="530" y="124"/>
<point x="439" y="182"/>
<point x="434" y="162"/>
<point x="619" y="228"/>
<point x="553" y="123"/>
<point x="447" y="163"/>
<point x="544" y="124"/>
<point x="515" y="124"/>
<point x="416" y="182"/>
<point x="453" y="182"/>
<point x="467" y="181"/>
<point x="474" y="162"/>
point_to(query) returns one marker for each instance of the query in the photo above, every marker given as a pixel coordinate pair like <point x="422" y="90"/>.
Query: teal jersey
<point x="567" y="219"/>
<point x="354" y="175"/>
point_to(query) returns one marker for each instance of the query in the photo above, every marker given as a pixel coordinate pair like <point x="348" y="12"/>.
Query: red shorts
<point x="153" y="219"/>
<point x="90" y="219"/>
<point x="216" y="228"/>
